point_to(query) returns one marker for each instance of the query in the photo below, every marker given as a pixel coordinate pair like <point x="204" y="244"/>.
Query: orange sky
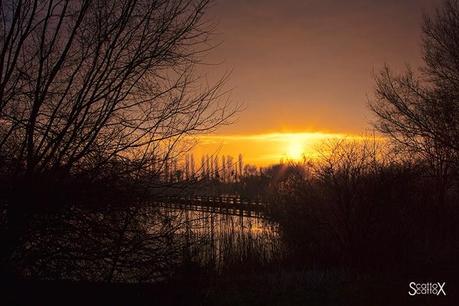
<point x="264" y="149"/>
<point x="269" y="148"/>
<point x="306" y="66"/>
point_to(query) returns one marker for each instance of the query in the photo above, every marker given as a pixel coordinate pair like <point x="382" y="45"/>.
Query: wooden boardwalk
<point x="219" y="204"/>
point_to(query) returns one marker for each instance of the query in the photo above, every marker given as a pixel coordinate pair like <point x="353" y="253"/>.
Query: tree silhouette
<point x="420" y="112"/>
<point x="93" y="90"/>
<point x="84" y="82"/>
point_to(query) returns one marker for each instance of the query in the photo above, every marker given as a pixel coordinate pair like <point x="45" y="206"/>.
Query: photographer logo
<point x="436" y="288"/>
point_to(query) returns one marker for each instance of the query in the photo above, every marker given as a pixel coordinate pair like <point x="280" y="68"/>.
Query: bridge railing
<point x="216" y="200"/>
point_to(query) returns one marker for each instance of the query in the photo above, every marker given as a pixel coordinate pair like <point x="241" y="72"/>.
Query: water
<point x="144" y="243"/>
<point x="223" y="241"/>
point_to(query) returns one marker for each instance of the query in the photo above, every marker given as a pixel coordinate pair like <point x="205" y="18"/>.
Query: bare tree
<point x="83" y="82"/>
<point x="91" y="85"/>
<point x="420" y="111"/>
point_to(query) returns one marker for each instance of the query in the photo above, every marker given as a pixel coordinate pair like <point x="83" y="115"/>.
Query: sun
<point x="295" y="150"/>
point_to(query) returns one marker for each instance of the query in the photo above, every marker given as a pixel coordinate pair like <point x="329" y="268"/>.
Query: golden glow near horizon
<point x="295" y="150"/>
<point x="269" y="148"/>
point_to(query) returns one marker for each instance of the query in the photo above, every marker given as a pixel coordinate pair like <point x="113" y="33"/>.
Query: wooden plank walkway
<point x="220" y="204"/>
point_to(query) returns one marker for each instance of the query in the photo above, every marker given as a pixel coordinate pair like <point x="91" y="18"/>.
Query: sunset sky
<point x="306" y="67"/>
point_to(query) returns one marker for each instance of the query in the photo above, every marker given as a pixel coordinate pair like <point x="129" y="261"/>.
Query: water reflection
<point x="223" y="240"/>
<point x="143" y="243"/>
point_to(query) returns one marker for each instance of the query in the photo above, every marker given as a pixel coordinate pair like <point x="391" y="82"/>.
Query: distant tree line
<point x="215" y="168"/>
